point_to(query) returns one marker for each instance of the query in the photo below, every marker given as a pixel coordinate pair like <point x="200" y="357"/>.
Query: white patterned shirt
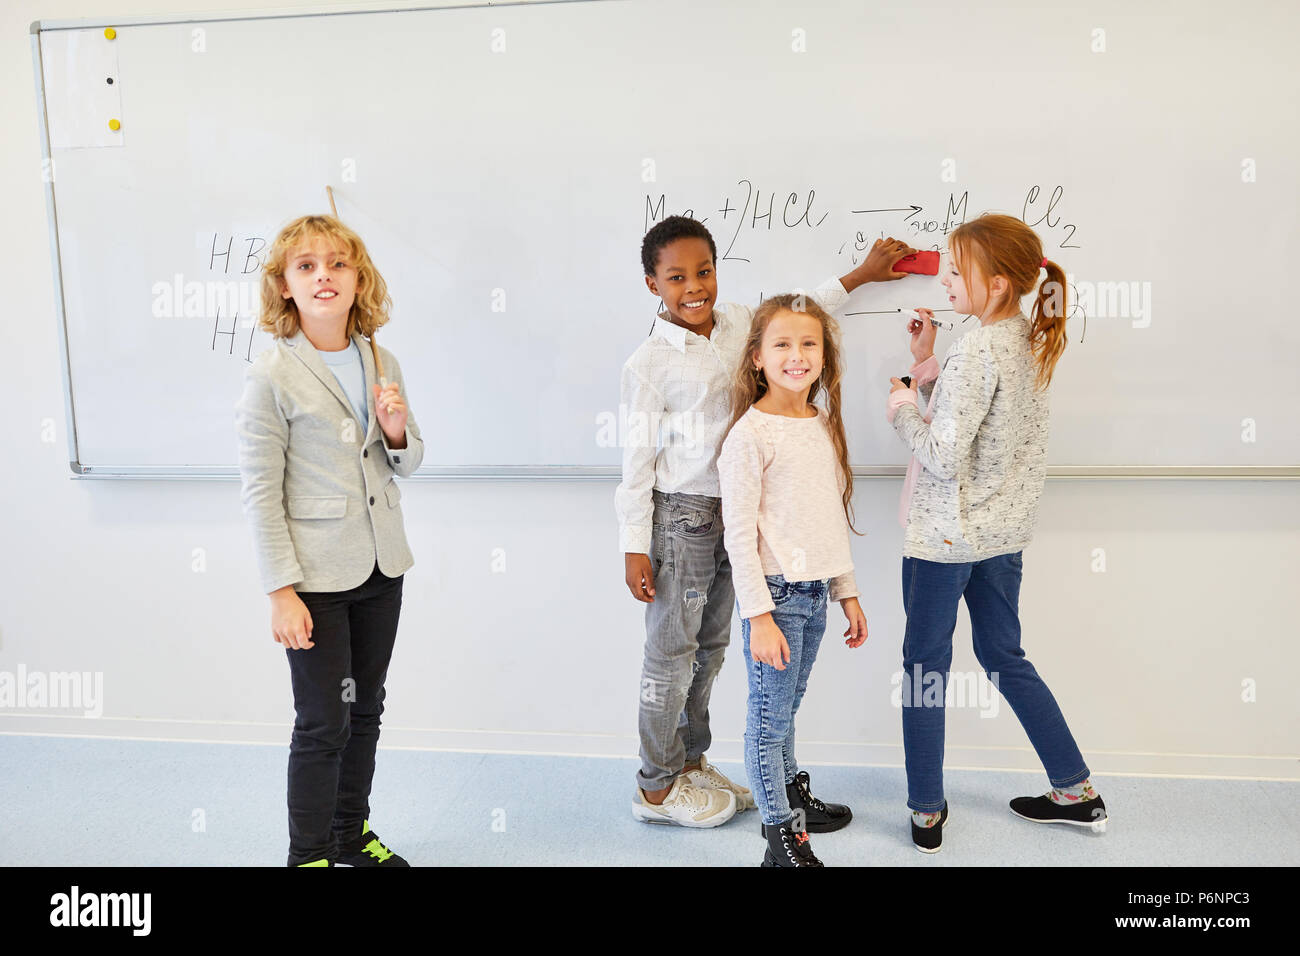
<point x="675" y="397"/>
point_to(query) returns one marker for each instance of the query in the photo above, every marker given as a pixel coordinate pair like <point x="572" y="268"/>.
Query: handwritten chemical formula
<point x="750" y="210"/>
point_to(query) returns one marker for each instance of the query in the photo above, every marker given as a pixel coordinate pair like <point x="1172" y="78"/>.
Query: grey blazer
<point x="322" y="507"/>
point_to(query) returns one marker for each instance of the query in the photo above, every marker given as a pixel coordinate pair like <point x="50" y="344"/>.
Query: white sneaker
<point x="709" y="777"/>
<point x="687" y="806"/>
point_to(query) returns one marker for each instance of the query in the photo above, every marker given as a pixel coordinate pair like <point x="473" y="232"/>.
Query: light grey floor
<point x="93" y="802"/>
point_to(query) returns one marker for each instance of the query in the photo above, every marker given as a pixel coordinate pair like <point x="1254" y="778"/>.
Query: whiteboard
<point x="502" y="165"/>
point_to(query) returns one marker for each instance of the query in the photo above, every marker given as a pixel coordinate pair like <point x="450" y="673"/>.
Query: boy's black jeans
<point x="338" y="694"/>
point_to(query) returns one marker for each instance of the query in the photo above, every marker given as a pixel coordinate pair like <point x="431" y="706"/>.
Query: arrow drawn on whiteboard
<point x="895" y="312"/>
<point x="914" y="209"/>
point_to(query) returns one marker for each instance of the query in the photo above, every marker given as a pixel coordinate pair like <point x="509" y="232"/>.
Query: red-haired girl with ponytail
<point x="969" y="506"/>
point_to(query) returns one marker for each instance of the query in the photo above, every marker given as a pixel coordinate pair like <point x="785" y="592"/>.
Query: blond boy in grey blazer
<point x="320" y="445"/>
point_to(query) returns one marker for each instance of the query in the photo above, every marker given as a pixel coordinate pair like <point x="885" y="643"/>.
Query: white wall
<point x="1147" y="658"/>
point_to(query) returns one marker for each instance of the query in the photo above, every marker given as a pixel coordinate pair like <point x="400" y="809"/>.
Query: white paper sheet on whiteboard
<point x="81" y="106"/>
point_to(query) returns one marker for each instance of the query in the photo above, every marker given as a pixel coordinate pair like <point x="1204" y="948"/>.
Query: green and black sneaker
<point x="366" y="850"/>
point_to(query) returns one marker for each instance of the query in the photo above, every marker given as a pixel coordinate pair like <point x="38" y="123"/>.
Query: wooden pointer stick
<point x="379" y="365"/>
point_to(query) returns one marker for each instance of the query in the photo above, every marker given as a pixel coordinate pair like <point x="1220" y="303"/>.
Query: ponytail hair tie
<point x="1043" y="264"/>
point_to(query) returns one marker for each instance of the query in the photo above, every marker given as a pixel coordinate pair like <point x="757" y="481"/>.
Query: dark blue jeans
<point x="332" y="754"/>
<point x="931" y="591"/>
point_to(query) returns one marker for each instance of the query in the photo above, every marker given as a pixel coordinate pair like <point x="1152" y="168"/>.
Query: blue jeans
<point x="931" y="591"/>
<point x="774" y="695"/>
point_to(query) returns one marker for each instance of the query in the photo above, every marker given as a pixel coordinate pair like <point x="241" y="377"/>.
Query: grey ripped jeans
<point x="688" y="627"/>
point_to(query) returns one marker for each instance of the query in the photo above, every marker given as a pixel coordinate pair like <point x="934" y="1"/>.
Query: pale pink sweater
<point x="781" y="507"/>
<point x="922" y="373"/>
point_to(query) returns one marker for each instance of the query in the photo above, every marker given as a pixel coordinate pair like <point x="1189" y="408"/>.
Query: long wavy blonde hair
<point x="280" y="315"/>
<point x="750" y="383"/>
<point x="1004" y="246"/>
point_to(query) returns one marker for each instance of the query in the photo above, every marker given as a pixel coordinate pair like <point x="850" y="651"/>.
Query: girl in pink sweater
<point x="786" y="507"/>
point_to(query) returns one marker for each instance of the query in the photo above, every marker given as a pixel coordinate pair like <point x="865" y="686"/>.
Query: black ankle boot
<point x="788" y="847"/>
<point x="818" y="817"/>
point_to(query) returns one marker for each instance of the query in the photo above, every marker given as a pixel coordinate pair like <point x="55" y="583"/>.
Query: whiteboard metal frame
<point x="447" y="473"/>
<point x="56" y="263"/>
<point x="289" y="13"/>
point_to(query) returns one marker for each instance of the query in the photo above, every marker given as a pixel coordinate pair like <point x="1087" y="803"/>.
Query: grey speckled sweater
<point x="984" y="454"/>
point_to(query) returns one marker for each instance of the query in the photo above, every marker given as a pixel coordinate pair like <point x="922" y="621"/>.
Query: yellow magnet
<point x="110" y="32"/>
<point x="114" y="124"/>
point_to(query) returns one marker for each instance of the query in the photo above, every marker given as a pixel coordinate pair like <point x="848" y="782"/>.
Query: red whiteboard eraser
<point x="919" y="263"/>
